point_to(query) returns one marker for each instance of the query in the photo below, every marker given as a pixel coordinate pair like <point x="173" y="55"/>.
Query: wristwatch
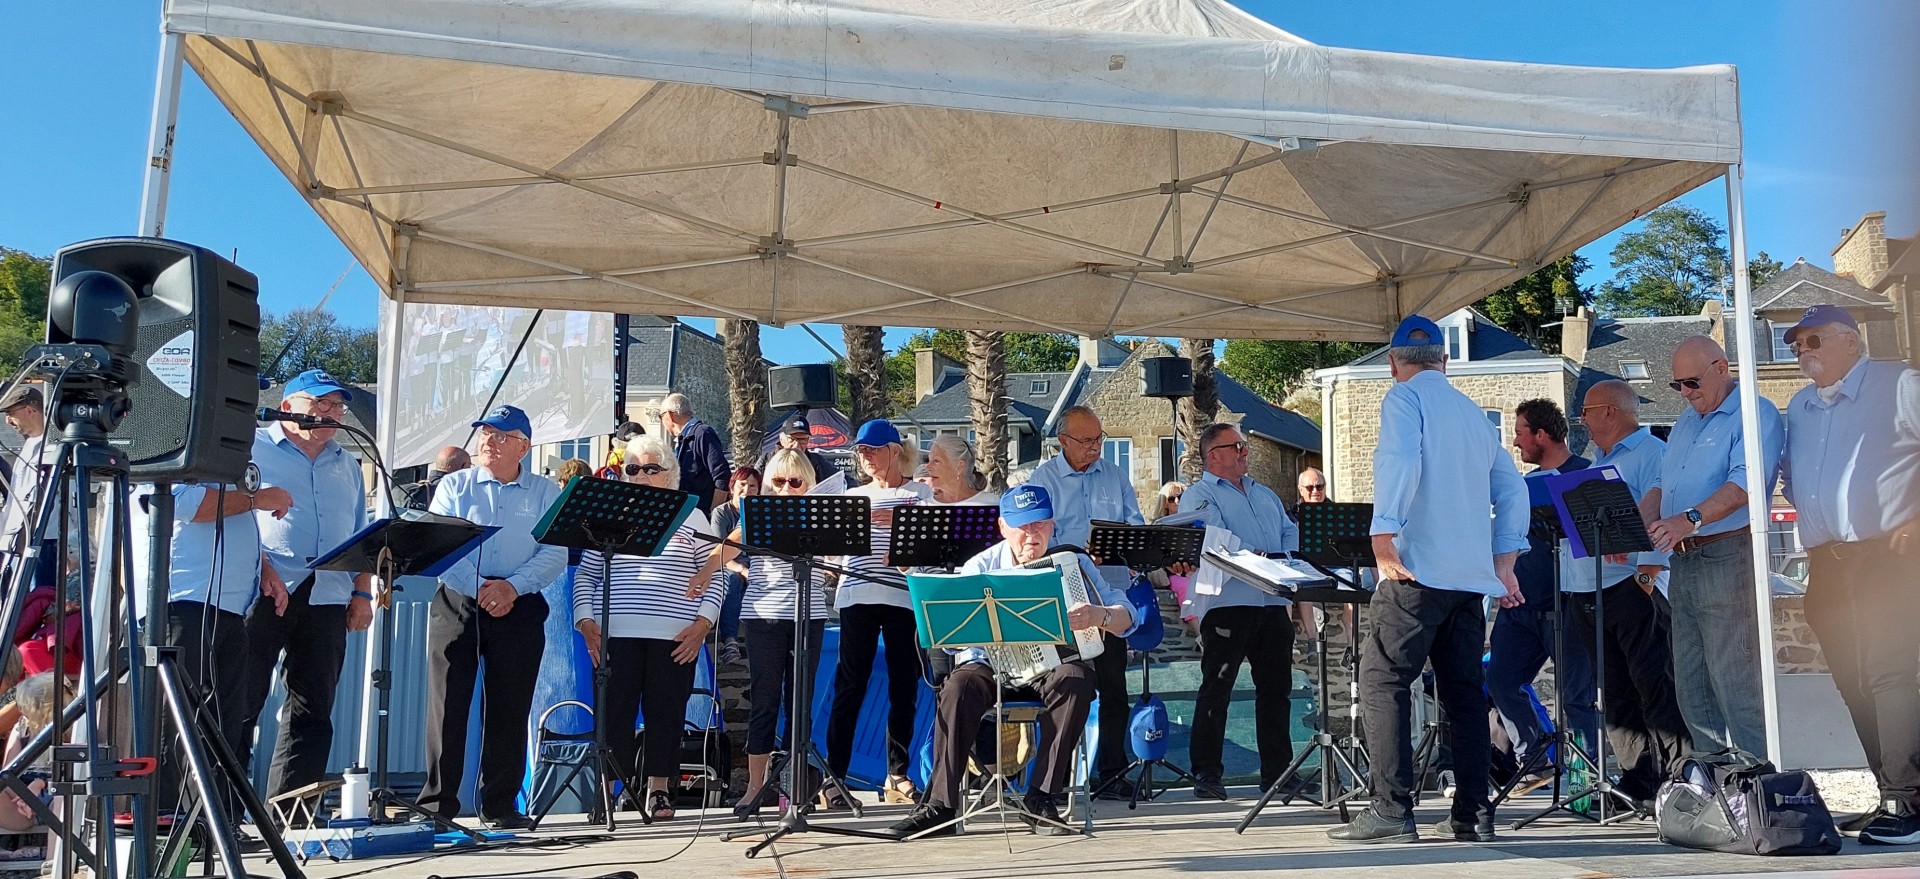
<point x="1643" y="579"/>
<point x="1693" y="515"/>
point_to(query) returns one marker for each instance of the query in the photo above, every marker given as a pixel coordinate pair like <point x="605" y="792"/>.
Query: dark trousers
<point x="966" y="698"/>
<point x="770" y="675"/>
<point x="314" y="639"/>
<point x="1262" y="637"/>
<point x="1644" y="725"/>
<point x="1110" y="680"/>
<point x="213" y="655"/>
<point x="861" y="627"/>
<point x="1520" y="646"/>
<point x="460" y="636"/>
<point x="646" y="678"/>
<point x="1861" y="605"/>
<point x="730" y="608"/>
<point x="1412" y="625"/>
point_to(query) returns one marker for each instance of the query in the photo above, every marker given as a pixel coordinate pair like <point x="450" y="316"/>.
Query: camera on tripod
<point x="88" y="357"/>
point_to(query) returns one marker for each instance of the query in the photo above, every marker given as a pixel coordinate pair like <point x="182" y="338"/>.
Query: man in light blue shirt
<point x="1853" y="465"/>
<point x="1698" y="511"/>
<point x="1449" y="521"/>
<point x="489" y="608"/>
<point x="967" y="695"/>
<point x="1644" y="723"/>
<point x="1242" y="623"/>
<point x="1084" y="487"/>
<point x="326" y="504"/>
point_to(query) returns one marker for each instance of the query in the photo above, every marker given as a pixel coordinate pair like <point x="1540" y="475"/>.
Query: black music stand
<point x="611" y="518"/>
<point x="796" y="529"/>
<point x="1145" y="547"/>
<point x="930" y="536"/>
<point x="1336" y="539"/>
<point x="1553" y="752"/>
<point x="1604" y="515"/>
<point x="410" y="543"/>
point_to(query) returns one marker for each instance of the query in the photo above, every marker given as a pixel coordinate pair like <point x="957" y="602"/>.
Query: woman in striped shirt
<point x="767" y="615"/>
<point x="870" y="610"/>
<point x="654" y="631"/>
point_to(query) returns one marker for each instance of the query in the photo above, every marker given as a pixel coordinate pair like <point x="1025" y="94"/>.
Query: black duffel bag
<point x="1737" y="803"/>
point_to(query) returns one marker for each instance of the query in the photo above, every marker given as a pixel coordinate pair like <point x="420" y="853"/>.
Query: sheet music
<point x="835" y="484"/>
<point x="1210" y="579"/>
<point x="1271" y="575"/>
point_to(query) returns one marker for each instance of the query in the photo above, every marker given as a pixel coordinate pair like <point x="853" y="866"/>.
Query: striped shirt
<point x="771" y="592"/>
<point x="649" y="594"/>
<point x="854" y="591"/>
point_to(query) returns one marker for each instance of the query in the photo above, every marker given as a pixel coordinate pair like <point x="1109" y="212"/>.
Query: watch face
<point x="250" y="480"/>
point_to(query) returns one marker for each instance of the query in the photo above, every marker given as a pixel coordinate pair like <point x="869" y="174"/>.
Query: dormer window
<point x="1038" y="387"/>
<point x="1633" y="370"/>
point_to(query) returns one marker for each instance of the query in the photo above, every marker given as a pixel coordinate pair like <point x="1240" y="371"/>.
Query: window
<point x="1494" y="416"/>
<point x="1171" y="451"/>
<point x="1633" y="370"/>
<point x="1119" y="453"/>
<point x="576" y="448"/>
<point x="1780" y="350"/>
<point x="1038" y="386"/>
<point x="1455" y="350"/>
<point x="926" y="441"/>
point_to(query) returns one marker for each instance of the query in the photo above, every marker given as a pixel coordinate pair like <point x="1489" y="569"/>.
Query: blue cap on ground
<point x="316" y="383"/>
<point x="1416" y="331"/>
<point x="1025" y="504"/>
<point x="508" y="419"/>
<point x="1819" y="316"/>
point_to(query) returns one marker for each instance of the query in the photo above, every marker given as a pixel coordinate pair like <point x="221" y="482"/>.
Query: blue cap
<point x="876" y="433"/>
<point x="1407" y="335"/>
<point x="1024" y="504"/>
<point x="1820" y="316"/>
<point x="316" y="383"/>
<point x="508" y="419"/>
<point x="1148" y="728"/>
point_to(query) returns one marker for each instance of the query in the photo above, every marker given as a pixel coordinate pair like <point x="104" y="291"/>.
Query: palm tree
<point x="987" y="389"/>
<point x="866" y="372"/>
<point x="1200" y="409"/>
<point x="746" y="388"/>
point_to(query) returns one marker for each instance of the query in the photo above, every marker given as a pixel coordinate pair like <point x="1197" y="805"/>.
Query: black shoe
<point x="1897" y="825"/>
<point x="508" y="821"/>
<point x="1208" y="787"/>
<point x="1117" y="788"/>
<point x="924" y="816"/>
<point x="1042" y="805"/>
<point x="1455" y="829"/>
<point x="1852" y="827"/>
<point x="1368" y="828"/>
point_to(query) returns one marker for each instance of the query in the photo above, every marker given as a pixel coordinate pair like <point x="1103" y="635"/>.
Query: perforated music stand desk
<point x="1336" y="535"/>
<point x="928" y="536"/>
<point x="1146" y="547"/>
<point x="808" y="524"/>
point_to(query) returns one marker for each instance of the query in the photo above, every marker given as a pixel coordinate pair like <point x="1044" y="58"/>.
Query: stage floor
<point x="1177" y="836"/>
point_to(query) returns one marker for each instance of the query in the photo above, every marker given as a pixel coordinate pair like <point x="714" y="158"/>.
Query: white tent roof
<point x="1102" y="167"/>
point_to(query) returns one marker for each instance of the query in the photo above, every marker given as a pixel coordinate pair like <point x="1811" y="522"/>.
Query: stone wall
<point x="1862" y="252"/>
<point x="1356" y="414"/>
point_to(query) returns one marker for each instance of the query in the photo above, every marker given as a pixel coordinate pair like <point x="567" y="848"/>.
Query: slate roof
<point x="1257" y="414"/>
<point x="1803" y="284"/>
<point x="1649" y="340"/>
<point x="951" y="406"/>
<point x="1487" y="341"/>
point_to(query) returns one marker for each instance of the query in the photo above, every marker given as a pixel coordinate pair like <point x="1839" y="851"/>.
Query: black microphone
<point x="300" y="418"/>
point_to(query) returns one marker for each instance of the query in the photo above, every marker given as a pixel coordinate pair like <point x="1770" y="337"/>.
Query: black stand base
<point x="1332" y="761"/>
<point x="1425" y="754"/>
<point x="1602" y="789"/>
<point x="794" y="818"/>
<point x="1144" y="786"/>
<point x="381" y="802"/>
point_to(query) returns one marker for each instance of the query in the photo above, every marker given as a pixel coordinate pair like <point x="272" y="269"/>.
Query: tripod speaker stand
<point x="796" y="529"/>
<point x="611" y="518"/>
<point x="411" y="543"/>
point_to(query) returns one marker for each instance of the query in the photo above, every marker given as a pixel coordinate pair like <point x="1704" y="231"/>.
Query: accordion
<point x="1020" y="665"/>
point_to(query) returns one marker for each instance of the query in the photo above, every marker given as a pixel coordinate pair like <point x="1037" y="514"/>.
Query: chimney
<point x="1862" y="251"/>
<point x="1575" y="330"/>
<point x="1716" y="321"/>
<point x="928" y="366"/>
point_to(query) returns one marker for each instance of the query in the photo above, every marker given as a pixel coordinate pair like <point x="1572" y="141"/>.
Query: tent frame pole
<point x="1759" y="503"/>
<point x="166" y="115"/>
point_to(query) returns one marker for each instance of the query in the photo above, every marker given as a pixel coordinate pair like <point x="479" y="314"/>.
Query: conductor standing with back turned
<point x="1438" y="473"/>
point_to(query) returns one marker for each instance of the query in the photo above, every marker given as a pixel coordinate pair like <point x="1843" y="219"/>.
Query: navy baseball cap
<point x="316" y="383"/>
<point x="876" y="433"/>
<point x="797" y="424"/>
<point x="1024" y="504"/>
<point x="1820" y="316"/>
<point x="1408" y="334"/>
<point x="508" y="419"/>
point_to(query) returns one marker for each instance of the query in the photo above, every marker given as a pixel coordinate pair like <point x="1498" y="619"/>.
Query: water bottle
<point x="354" y="793"/>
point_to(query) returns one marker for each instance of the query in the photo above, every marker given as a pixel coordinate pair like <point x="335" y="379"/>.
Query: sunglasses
<point x="1240" y="446"/>
<point x="1691" y="384"/>
<point x="649" y="469"/>
<point x="1810" y="343"/>
<point x="787" y="482"/>
<point x="1313" y="488"/>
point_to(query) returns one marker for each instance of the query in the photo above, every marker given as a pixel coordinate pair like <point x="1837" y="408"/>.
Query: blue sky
<point x="1818" y="81"/>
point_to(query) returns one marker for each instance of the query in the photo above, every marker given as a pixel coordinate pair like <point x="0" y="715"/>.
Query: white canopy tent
<point x="1100" y="167"/>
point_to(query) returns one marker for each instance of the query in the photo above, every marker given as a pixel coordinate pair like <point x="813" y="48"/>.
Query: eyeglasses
<point x="1240" y="446"/>
<point x="787" y="482"/>
<point x="649" y="469"/>
<point x="325" y="404"/>
<point x="1809" y="342"/>
<point x="1585" y="409"/>
<point x="1085" y="441"/>
<point x="1691" y="384"/>
<point x="498" y="436"/>
<point x="1320" y="487"/>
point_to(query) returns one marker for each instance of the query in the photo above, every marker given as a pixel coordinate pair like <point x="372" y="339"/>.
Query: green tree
<point x="1670" y="266"/>
<point x="1761" y="269"/>
<point x="1273" y="369"/>
<point x="314" y="339"/>
<point x="1025" y="352"/>
<point x="1525" y="306"/>
<point x="24" y="279"/>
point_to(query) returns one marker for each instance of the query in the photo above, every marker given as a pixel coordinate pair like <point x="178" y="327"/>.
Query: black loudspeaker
<point x="191" y="409"/>
<point x="1168" y="378"/>
<point x="809" y="386"/>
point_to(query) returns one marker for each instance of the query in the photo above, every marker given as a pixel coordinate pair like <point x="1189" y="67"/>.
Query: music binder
<point x="1014" y="606"/>
<point x="416" y="543"/>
